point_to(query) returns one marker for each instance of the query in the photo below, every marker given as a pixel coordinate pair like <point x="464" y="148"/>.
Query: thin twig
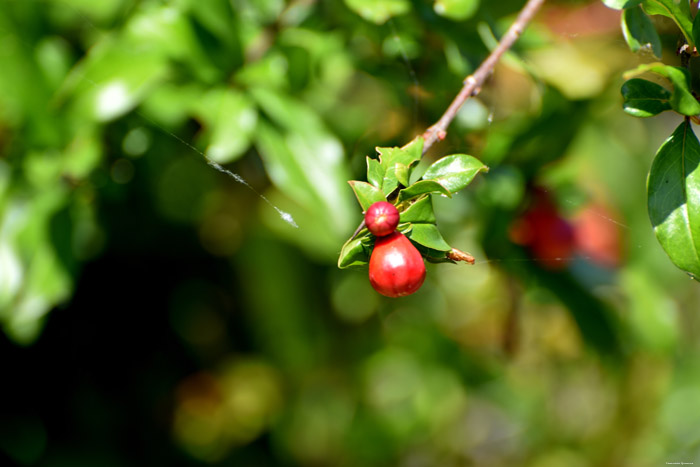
<point x="474" y="82"/>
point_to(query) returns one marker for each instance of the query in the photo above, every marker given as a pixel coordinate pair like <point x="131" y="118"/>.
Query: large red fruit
<point x="381" y="218"/>
<point x="396" y="268"/>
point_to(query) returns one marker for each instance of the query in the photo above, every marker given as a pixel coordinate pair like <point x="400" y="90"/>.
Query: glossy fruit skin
<point x="382" y="218"/>
<point x="396" y="268"/>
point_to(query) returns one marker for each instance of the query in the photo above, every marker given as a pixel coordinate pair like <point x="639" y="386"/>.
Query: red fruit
<point x="598" y="235"/>
<point x="396" y="268"/>
<point x="382" y="218"/>
<point x="548" y="236"/>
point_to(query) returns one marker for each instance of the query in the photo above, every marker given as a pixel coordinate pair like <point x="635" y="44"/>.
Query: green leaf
<point x="420" y="212"/>
<point x="421" y="188"/>
<point x="620" y="4"/>
<point x="682" y="100"/>
<point x="230" y="119"/>
<point x="677" y="10"/>
<point x="457" y="10"/>
<point x="401" y="172"/>
<point x="378" y="11"/>
<point x="303" y="158"/>
<point x="375" y="172"/>
<point x="393" y="156"/>
<point x="643" y="98"/>
<point x="366" y="193"/>
<point x="640" y="32"/>
<point x="673" y="191"/>
<point x="394" y="165"/>
<point x="354" y="253"/>
<point x="390" y="182"/>
<point x="429" y="236"/>
<point x="455" y="172"/>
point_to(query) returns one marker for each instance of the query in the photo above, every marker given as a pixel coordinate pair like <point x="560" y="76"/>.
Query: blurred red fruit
<point x="549" y="237"/>
<point x="598" y="235"/>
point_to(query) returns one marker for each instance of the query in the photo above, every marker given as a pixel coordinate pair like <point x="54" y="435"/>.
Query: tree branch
<point x="474" y="82"/>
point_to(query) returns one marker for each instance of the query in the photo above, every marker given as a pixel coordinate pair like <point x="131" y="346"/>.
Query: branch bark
<point x="474" y="82"/>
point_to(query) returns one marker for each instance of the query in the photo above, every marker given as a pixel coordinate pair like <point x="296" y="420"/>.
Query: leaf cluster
<point x="673" y="184"/>
<point x="389" y="179"/>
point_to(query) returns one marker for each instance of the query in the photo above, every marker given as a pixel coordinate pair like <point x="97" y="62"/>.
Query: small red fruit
<point x="396" y="268"/>
<point x="381" y="218"/>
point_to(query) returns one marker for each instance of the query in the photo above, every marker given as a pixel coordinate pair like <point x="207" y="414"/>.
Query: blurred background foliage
<point x="156" y="311"/>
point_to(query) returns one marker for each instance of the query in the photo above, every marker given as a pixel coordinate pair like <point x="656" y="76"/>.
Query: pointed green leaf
<point x="419" y="212"/>
<point x="390" y="182"/>
<point x="391" y="156"/>
<point x="415" y="148"/>
<point x="375" y="172"/>
<point x="673" y="191"/>
<point x="677" y="10"/>
<point x="421" y="188"/>
<point x="643" y="98"/>
<point x="640" y="32"/>
<point x="366" y="194"/>
<point x="395" y="166"/>
<point x="401" y="174"/>
<point x="429" y="236"/>
<point x="682" y="100"/>
<point x="455" y="172"/>
<point x="620" y="4"/>
<point x="354" y="253"/>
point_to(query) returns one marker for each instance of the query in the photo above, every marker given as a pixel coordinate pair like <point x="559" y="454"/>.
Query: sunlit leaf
<point x="644" y="98"/>
<point x="455" y="172"/>
<point x="674" y="198"/>
<point x="423" y="187"/>
<point x="677" y="10"/>
<point x="230" y="118"/>
<point x="456" y="9"/>
<point x="375" y="172"/>
<point x="303" y="158"/>
<point x="378" y="11"/>
<point x="429" y="236"/>
<point x="401" y="172"/>
<point x="640" y="32"/>
<point x="620" y="4"/>
<point x="366" y="193"/>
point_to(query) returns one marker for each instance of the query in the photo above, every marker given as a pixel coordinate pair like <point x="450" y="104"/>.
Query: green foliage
<point x="671" y="181"/>
<point x="678" y="11"/>
<point x="392" y="171"/>
<point x="681" y="99"/>
<point x="138" y="273"/>
<point x="639" y="31"/>
<point x="674" y="198"/>
<point x="378" y="11"/>
<point x="456" y="9"/>
<point x="644" y="98"/>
